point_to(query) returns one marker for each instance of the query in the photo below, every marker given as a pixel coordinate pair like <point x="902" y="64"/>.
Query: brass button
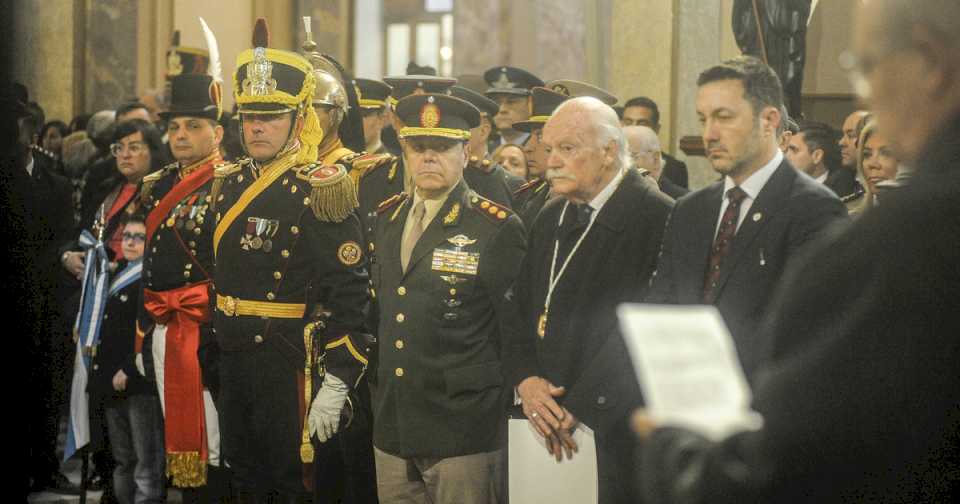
<point x="294" y="230"/>
<point x="306" y="201"/>
<point x="293" y="189"/>
<point x="402" y="290"/>
<point x="188" y="266"/>
<point x="277" y="275"/>
<point x="453" y="292"/>
<point x="271" y="296"/>
<point x="258" y="339"/>
<point x="186" y="274"/>
<point x="399" y="371"/>
<point x="400" y="318"/>
<point x="240" y="178"/>
<point x="371" y="247"/>
<point x="285" y="253"/>
<point x="197" y="231"/>
<point x="399" y="344"/>
<point x="193" y="244"/>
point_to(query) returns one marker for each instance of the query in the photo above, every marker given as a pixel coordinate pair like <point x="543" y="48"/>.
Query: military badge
<point x="258" y="234"/>
<point x="461" y="241"/>
<point x="260" y="81"/>
<point x="503" y="81"/>
<point x="560" y="88"/>
<point x="349" y="253"/>
<point x="452" y="279"/>
<point x="174" y="65"/>
<point x="430" y="115"/>
<point x="451" y="217"/>
<point x="455" y="261"/>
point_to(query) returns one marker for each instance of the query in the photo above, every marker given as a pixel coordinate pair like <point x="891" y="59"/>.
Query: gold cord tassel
<point x="186" y="469"/>
<point x="306" y="448"/>
<point x="333" y="198"/>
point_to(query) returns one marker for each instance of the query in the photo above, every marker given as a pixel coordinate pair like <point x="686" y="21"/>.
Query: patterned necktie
<point x="721" y="245"/>
<point x="416" y="229"/>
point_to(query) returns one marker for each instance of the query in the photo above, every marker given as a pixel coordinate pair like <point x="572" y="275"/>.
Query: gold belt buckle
<point x="229" y="306"/>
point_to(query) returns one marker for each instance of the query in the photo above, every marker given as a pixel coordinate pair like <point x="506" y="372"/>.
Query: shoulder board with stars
<point x="391" y="202"/>
<point x="483" y="164"/>
<point x="492" y="210"/>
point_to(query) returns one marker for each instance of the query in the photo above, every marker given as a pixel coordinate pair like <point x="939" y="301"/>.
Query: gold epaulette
<point x="364" y="164"/>
<point x="391" y="202"/>
<point x="146" y="185"/>
<point x="491" y="209"/>
<point x="333" y="196"/>
<point x="220" y="173"/>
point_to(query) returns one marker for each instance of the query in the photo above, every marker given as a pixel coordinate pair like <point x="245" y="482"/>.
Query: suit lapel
<point x="768" y="202"/>
<point x="435" y="232"/>
<point x="701" y="240"/>
<point x="393" y="235"/>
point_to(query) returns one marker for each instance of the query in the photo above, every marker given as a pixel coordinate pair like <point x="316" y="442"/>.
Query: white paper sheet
<point x="536" y="477"/>
<point x="687" y="366"/>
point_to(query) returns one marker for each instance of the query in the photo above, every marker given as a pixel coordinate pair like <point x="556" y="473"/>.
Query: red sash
<point x="186" y="186"/>
<point x="182" y="311"/>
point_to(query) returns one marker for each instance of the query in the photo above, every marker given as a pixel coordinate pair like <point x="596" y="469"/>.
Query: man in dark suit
<point x="642" y="111"/>
<point x="530" y="197"/>
<point x="860" y="402"/>
<point x="444" y="259"/>
<point x="728" y="244"/>
<point x="591" y="249"/>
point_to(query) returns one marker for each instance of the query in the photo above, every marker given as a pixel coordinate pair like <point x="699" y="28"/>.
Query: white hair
<point x="606" y="123"/>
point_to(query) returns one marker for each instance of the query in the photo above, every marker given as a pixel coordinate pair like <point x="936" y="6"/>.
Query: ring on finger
<point x="534" y="414"/>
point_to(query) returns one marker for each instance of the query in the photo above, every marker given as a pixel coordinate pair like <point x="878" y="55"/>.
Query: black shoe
<point x="58" y="483"/>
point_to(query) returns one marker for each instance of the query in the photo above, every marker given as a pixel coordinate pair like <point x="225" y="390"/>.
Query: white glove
<point x="138" y="360"/>
<point x="325" y="409"/>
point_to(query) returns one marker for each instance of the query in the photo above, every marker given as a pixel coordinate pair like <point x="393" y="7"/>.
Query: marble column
<point x="110" y="54"/>
<point x="698" y="47"/>
<point x="478" y="36"/>
<point x="45" y="63"/>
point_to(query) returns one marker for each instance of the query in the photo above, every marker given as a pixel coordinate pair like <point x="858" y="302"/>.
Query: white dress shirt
<point x="752" y="186"/>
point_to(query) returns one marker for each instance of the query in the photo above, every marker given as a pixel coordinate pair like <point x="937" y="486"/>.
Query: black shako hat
<point x="193" y="95"/>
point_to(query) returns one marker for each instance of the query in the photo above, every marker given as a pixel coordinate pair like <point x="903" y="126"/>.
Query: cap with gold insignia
<point x="270" y="80"/>
<point x="185" y="60"/>
<point x="545" y="101"/>
<point x="373" y="94"/>
<point x="484" y="105"/>
<point x="437" y="115"/>
<point x="406" y="85"/>
<point x="510" y="80"/>
<point x="573" y="89"/>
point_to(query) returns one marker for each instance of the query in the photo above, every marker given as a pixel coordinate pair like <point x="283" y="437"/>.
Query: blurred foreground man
<point x="591" y="248"/>
<point x="291" y="282"/>
<point x="861" y="402"/>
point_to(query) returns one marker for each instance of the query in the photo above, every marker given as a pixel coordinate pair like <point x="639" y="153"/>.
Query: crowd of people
<point x="341" y="290"/>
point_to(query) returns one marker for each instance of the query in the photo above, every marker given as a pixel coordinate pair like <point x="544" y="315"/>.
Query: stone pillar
<point x="698" y="47"/>
<point x="477" y="36"/>
<point x="110" y="54"/>
<point x="45" y="63"/>
<point x="642" y="48"/>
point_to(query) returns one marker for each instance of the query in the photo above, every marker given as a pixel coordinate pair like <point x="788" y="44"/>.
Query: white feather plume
<point x="215" y="69"/>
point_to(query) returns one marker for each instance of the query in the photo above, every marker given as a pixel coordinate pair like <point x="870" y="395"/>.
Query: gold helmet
<point x="329" y="88"/>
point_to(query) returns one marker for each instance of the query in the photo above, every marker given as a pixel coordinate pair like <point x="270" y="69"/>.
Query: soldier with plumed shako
<point x="290" y="279"/>
<point x="174" y="330"/>
<point x="444" y="257"/>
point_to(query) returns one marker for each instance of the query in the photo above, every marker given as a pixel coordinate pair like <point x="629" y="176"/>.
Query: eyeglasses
<point x="134" y="148"/>
<point x="139" y="237"/>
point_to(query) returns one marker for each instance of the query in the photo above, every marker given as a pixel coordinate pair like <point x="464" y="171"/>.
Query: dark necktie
<point x="721" y="245"/>
<point x="575" y="222"/>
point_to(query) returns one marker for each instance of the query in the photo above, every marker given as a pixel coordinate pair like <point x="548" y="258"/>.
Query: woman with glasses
<point x="138" y="150"/>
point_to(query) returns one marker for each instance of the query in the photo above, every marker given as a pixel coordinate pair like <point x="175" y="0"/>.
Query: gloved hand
<point x="325" y="409"/>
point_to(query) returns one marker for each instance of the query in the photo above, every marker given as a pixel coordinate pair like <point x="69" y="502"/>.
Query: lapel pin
<point x="757" y="216"/>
